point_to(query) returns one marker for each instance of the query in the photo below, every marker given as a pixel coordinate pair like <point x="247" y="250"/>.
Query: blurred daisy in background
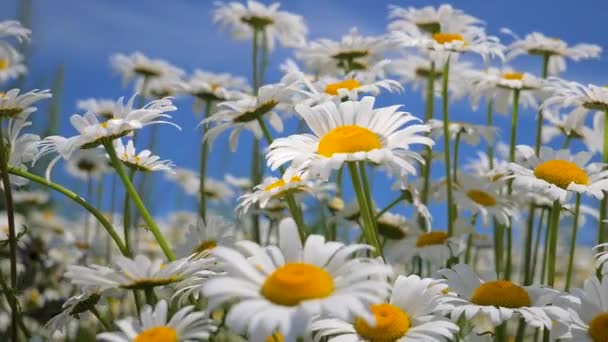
<point x="429" y="19"/>
<point x="144" y="161"/>
<point x="201" y="238"/>
<point x="137" y="64"/>
<point x="88" y="164"/>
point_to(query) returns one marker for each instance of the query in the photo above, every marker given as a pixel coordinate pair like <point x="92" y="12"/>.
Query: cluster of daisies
<point x="299" y="249"/>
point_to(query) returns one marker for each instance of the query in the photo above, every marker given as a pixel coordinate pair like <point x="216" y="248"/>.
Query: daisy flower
<point x="429" y="19"/>
<point x="185" y="325"/>
<point x="189" y="181"/>
<point x="160" y="87"/>
<point x="498" y="300"/>
<point x="23" y="148"/>
<point x="244" y="113"/>
<point x="500" y="84"/>
<point x="557" y="173"/>
<point x="590" y="315"/>
<point x="435" y="246"/>
<point x="88" y="164"/>
<point x="370" y="82"/>
<point x="137" y="64"/>
<point x="92" y="132"/>
<point x="73" y="307"/>
<point x="571" y="126"/>
<point x="14" y="104"/>
<point x="353" y="52"/>
<point x="554" y="49"/>
<point x="202" y="238"/>
<point x="138" y="273"/>
<point x="469" y="133"/>
<point x="575" y="97"/>
<point x="245" y="20"/>
<point x="208" y="86"/>
<point x="4" y="229"/>
<point x="441" y="44"/>
<point x="348" y="132"/>
<point x="593" y="136"/>
<point x="410" y="315"/>
<point x="13" y="28"/>
<point x="484" y="197"/>
<point x="493" y="168"/>
<point x="11" y="63"/>
<point x="280" y="289"/>
<point x="241" y="183"/>
<point x="143" y="161"/>
<point x="601" y="257"/>
<point x="31" y="198"/>
<point x="104" y="108"/>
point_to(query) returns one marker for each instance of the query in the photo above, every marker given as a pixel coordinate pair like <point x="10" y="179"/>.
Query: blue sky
<point x="82" y="35"/>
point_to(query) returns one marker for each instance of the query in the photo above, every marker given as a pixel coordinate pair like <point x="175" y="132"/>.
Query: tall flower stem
<point x="158" y="235"/>
<point x="203" y="166"/>
<point x="539" y="230"/>
<point x="79" y="200"/>
<point x="539" y="122"/>
<point x="429" y="112"/>
<point x="490" y="117"/>
<point x="368" y="223"/>
<point x="514" y="119"/>
<point x="577" y="208"/>
<point x="12" y="302"/>
<point x="391" y="205"/>
<point x="256" y="176"/>
<point x="12" y="235"/>
<point x="526" y="266"/>
<point x="555" y="211"/>
<point x="446" y="145"/>
<point x="126" y="217"/>
<point x="456" y="152"/>
<point x="601" y="232"/>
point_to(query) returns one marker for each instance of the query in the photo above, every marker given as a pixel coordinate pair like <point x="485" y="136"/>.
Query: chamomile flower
<point x="350" y="87"/>
<point x="353" y="52"/>
<point x="208" y="86"/>
<point x="590" y="315"/>
<point x="143" y="161"/>
<point x="593" y="136"/>
<point x="13" y="28"/>
<point x="11" y="63"/>
<point x="14" y="104"/>
<point x="429" y="19"/>
<point x="202" y="238"/>
<point x="104" y="108"/>
<point x="92" y="132"/>
<point x="73" y="307"/>
<point x="88" y="164"/>
<point x="468" y="132"/>
<point x="137" y="64"/>
<point x="244" y="113"/>
<point x="138" y="273"/>
<point x="23" y="148"/>
<point x="557" y="173"/>
<point x="494" y="167"/>
<point x="256" y="18"/>
<point x="570" y="126"/>
<point x="555" y="49"/>
<point x="601" y="257"/>
<point x="273" y="188"/>
<point x="500" y="84"/>
<point x="31" y="198"/>
<point x="441" y="44"/>
<point x="410" y="315"/>
<point x="4" y="228"/>
<point x="280" y="289"/>
<point x="351" y="131"/>
<point x="185" y="325"/>
<point x="499" y="300"/>
<point x="161" y="87"/>
<point x="434" y="246"/>
<point x="241" y="183"/>
<point x="483" y="197"/>
<point x="574" y="97"/>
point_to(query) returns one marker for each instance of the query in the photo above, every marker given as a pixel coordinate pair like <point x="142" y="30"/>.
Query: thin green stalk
<point x="509" y="257"/>
<point x="429" y="113"/>
<point x="203" y="166"/>
<point x="368" y="225"/>
<point x="12" y="302"/>
<point x="543" y="270"/>
<point x="540" y="119"/>
<point x="539" y="229"/>
<point x="490" y="115"/>
<point x="446" y="145"/>
<point x="555" y="211"/>
<point x="137" y="301"/>
<point x="256" y="179"/>
<point x="467" y="254"/>
<point x="12" y="235"/>
<point x="367" y="193"/>
<point x="107" y="326"/>
<point x="577" y="208"/>
<point x="456" y="151"/>
<point x="501" y="333"/>
<point x="81" y="201"/>
<point x="158" y="235"/>
<point x="498" y="247"/>
<point x="525" y="269"/>
<point x="601" y="232"/>
<point x="514" y="119"/>
<point x="151" y="298"/>
<point x="126" y="217"/>
<point x="390" y="206"/>
<point x="254" y="60"/>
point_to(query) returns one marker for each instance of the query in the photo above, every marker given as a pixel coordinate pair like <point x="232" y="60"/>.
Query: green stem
<point x="543" y="270"/>
<point x="81" y="201"/>
<point x="138" y="202"/>
<point x="555" y="211"/>
<point x="256" y="179"/>
<point x="126" y="217"/>
<point x="490" y="115"/>
<point x="498" y="247"/>
<point x="539" y="230"/>
<point x="150" y="296"/>
<point x="107" y="326"/>
<point x="456" y="151"/>
<point x="203" y="165"/>
<point x="514" y="119"/>
<point x="368" y="224"/>
<point x="390" y="206"/>
<point x="367" y="193"/>
<point x="446" y="145"/>
<point x="577" y="208"/>
<point x="254" y="61"/>
<point x="12" y="235"/>
<point x="501" y="333"/>
<point x="601" y="232"/>
<point x="540" y="119"/>
<point x="12" y="302"/>
<point x="429" y="113"/>
<point x="525" y="269"/>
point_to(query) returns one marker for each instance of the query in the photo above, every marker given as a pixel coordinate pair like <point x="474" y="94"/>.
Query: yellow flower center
<point x="293" y="283"/>
<point x="443" y="38"/>
<point x="276" y="337"/>
<point x="561" y="173"/>
<point x="332" y="89"/>
<point x="598" y="328"/>
<point x="348" y="139"/>
<point x="431" y="238"/>
<point x="205" y="246"/>
<point x="501" y="293"/>
<point x="281" y="182"/>
<point x="4" y="63"/>
<point x="391" y="324"/>
<point x="157" y="334"/>
<point x="513" y="76"/>
<point x="482" y="198"/>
